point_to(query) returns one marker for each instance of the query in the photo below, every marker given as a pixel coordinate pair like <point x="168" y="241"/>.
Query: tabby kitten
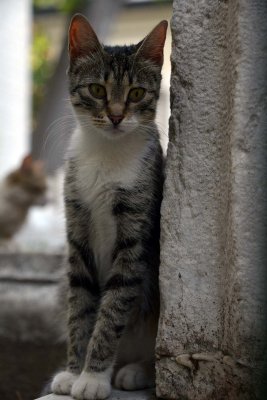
<point x="21" y="189"/>
<point x="113" y="190"/>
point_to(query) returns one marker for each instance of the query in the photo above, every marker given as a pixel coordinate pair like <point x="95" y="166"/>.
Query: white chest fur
<point x="105" y="165"/>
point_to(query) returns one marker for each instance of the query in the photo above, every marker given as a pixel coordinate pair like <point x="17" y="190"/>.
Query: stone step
<point x="115" y="395"/>
<point x="29" y="296"/>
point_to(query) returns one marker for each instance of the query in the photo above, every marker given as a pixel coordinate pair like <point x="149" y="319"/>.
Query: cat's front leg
<point x="63" y="381"/>
<point x="82" y="307"/>
<point x="122" y="293"/>
<point x="92" y="385"/>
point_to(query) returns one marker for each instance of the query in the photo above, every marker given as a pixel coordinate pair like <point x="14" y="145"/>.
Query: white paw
<point x="91" y="386"/>
<point x="62" y="382"/>
<point x="133" y="377"/>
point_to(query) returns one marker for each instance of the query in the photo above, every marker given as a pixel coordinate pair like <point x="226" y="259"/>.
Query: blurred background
<point x="36" y="119"/>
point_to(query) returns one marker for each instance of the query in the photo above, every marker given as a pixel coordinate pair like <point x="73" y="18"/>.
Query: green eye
<point x="97" y="91"/>
<point x="136" y="94"/>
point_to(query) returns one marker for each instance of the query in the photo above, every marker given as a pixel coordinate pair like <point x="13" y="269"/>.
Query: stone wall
<point x="212" y="332"/>
<point x="32" y="334"/>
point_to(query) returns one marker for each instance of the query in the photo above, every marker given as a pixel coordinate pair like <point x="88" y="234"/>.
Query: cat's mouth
<point x="101" y="123"/>
<point x="117" y="129"/>
<point x="113" y="132"/>
<point x="114" y="129"/>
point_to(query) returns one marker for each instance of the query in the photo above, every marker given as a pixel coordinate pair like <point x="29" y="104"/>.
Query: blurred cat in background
<point x="21" y="189"/>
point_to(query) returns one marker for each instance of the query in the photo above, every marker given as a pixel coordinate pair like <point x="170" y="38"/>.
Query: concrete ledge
<point x="116" y="395"/>
<point x="30" y="310"/>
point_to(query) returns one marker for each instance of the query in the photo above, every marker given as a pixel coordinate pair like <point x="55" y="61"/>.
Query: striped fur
<point x="113" y="191"/>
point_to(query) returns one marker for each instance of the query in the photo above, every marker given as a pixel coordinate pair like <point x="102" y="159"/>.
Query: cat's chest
<point x="98" y="182"/>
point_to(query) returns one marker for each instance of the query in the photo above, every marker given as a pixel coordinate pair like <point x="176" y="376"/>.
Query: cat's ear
<point x="151" y="47"/>
<point x="82" y="38"/>
<point x="27" y="163"/>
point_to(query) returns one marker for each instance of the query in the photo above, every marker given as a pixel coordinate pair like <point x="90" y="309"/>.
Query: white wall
<point x="14" y="82"/>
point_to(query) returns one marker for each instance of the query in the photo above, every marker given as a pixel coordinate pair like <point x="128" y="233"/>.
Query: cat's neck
<point x="92" y="143"/>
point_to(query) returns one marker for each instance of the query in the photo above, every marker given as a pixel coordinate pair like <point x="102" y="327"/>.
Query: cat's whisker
<point x="55" y="131"/>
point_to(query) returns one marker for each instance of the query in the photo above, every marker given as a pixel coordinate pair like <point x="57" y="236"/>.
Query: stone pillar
<point x="212" y="332"/>
<point x="15" y="78"/>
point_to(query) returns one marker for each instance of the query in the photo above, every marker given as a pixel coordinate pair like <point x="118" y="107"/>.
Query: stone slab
<point x="29" y="288"/>
<point x="116" y="395"/>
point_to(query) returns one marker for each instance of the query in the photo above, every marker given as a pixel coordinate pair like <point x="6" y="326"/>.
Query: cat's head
<point x="114" y="89"/>
<point x="28" y="182"/>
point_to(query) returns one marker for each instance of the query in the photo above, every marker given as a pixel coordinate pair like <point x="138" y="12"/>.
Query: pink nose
<point x="116" y="119"/>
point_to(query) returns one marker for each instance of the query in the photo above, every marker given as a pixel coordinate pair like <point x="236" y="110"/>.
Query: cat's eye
<point x="97" y="91"/>
<point x="136" y="94"/>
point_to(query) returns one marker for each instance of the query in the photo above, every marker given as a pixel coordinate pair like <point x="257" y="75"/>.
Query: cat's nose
<point x="115" y="119"/>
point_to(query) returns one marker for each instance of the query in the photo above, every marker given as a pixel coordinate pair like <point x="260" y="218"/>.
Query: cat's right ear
<point x="82" y="38"/>
<point x="27" y="163"/>
<point x="151" y="47"/>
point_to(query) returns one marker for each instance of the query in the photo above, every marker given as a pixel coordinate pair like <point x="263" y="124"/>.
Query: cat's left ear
<point x="151" y="47"/>
<point x="82" y="38"/>
<point x="27" y="163"/>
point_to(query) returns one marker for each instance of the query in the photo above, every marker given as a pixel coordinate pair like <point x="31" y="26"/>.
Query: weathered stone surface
<point x="32" y="344"/>
<point x="30" y="310"/>
<point x="214" y="212"/>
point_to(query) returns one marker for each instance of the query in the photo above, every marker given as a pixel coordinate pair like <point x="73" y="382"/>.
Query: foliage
<point x="42" y="66"/>
<point x="41" y="60"/>
<point x="67" y="6"/>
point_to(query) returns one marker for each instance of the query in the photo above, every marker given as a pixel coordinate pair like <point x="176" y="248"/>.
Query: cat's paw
<point x="91" y="386"/>
<point x="133" y="377"/>
<point x="62" y="382"/>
